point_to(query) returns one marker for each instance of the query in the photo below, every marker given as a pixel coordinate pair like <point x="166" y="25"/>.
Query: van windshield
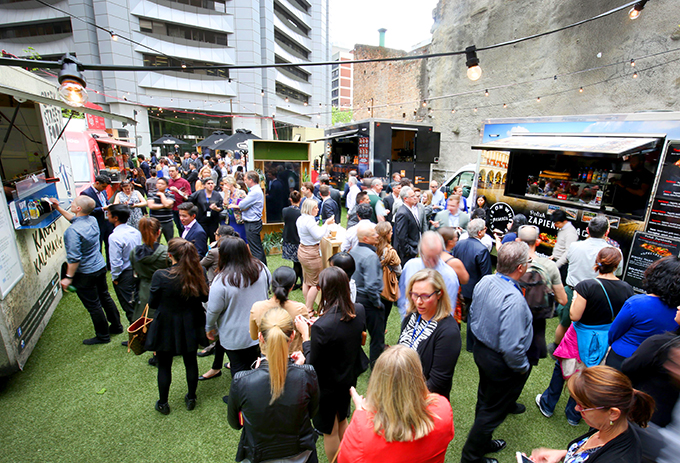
<point x="80" y="166"/>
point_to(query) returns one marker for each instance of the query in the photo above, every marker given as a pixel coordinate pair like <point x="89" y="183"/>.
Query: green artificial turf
<point x="95" y="403"/>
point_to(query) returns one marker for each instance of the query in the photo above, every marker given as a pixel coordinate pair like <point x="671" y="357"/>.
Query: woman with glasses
<point x="334" y="350"/>
<point x="608" y="404"/>
<point x="595" y="303"/>
<point x="430" y="329"/>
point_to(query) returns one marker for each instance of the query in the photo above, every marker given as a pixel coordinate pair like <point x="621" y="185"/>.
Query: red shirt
<point x="183" y="186"/>
<point x="361" y="444"/>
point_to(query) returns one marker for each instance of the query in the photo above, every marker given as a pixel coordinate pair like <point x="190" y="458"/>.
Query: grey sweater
<point x="229" y="310"/>
<point x="368" y="274"/>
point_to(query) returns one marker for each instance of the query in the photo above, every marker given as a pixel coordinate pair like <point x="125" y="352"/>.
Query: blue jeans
<point x="552" y="395"/>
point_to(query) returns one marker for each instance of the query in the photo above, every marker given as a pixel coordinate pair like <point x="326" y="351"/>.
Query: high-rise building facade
<point x="187" y="33"/>
<point x="342" y="79"/>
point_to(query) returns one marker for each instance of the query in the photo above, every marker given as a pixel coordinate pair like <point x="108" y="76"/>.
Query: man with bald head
<point x="430" y="249"/>
<point x="369" y="282"/>
<point x="86" y="269"/>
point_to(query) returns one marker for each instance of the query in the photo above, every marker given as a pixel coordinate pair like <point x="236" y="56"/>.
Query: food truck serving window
<point x="609" y="174"/>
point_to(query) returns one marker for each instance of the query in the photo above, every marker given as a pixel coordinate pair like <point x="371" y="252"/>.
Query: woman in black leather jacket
<point x="274" y="403"/>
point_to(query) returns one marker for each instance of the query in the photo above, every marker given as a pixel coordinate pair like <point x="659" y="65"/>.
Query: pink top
<point x="361" y="444"/>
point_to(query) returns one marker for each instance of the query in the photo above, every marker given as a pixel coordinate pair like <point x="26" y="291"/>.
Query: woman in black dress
<point x="336" y="354"/>
<point x="209" y="204"/>
<point x="291" y="239"/>
<point x="178" y="328"/>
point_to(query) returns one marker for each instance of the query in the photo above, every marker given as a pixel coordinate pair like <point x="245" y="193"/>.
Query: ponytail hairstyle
<point x="276" y="329"/>
<point x="149" y="228"/>
<point x="188" y="269"/>
<point x="603" y="386"/>
<point x="283" y="280"/>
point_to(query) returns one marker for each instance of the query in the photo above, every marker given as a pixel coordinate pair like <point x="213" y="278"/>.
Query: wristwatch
<point x="69" y="277"/>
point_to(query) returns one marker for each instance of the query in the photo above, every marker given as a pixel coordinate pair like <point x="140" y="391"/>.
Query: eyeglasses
<point x="422" y="297"/>
<point x="580" y="409"/>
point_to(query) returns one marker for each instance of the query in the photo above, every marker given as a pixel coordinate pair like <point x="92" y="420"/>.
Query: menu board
<point x="11" y="270"/>
<point x="363" y="155"/>
<point x="645" y="250"/>
<point x="664" y="218"/>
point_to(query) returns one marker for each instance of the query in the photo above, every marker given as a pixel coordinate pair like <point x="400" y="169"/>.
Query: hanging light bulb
<point x="474" y="72"/>
<point x="634" y="12"/>
<point x="305" y="103"/>
<point x="287" y="100"/>
<point x="505" y="105"/>
<point x="635" y="75"/>
<point x="486" y="93"/>
<point x="538" y="100"/>
<point x="72" y="84"/>
<point x="632" y="63"/>
<point x="262" y="92"/>
<point x="424" y="103"/>
<point x="184" y="65"/>
<point x="453" y="110"/>
<point x="475" y="109"/>
<point x="114" y="36"/>
<point x="580" y="90"/>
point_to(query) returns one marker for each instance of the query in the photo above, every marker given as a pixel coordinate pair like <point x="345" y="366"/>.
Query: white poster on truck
<point x="58" y="158"/>
<point x="11" y="270"/>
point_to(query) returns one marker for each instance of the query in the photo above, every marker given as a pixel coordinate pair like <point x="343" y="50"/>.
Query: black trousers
<point x="242" y="359"/>
<point x="125" y="287"/>
<point x="93" y="292"/>
<point x="387" y="307"/>
<point x="469" y="337"/>
<point x="104" y="233"/>
<point x="178" y="223"/>
<point x="498" y="391"/>
<point x="253" y="230"/>
<point x="375" y="324"/>
<point x="165" y="374"/>
<point x="168" y="230"/>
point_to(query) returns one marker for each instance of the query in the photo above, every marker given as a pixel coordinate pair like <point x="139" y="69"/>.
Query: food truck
<point x="383" y="147"/>
<point x="625" y="166"/>
<point x="34" y="167"/>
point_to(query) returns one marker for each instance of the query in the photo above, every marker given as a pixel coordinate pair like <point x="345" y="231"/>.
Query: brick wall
<point x="387" y="82"/>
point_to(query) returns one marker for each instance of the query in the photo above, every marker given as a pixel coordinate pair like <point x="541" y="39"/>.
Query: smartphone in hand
<point x="522" y="458"/>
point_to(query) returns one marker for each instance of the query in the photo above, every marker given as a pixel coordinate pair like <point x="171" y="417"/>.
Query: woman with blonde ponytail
<point x="276" y="401"/>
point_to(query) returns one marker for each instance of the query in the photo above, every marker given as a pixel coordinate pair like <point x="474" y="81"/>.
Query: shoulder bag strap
<point x="607" y="295"/>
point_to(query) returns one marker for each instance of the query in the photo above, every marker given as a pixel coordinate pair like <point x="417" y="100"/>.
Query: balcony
<point x="199" y="84"/>
<point x="218" y="22"/>
<point x="186" y="49"/>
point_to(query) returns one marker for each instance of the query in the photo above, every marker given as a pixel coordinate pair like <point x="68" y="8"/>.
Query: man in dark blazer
<point x="97" y="191"/>
<point x="192" y="176"/>
<point x="391" y="199"/>
<point x="193" y="231"/>
<point x="335" y="195"/>
<point x="329" y="208"/>
<point x="407" y="226"/>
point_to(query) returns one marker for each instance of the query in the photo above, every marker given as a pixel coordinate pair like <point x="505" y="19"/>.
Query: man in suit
<point x="97" y="191"/>
<point x="392" y="202"/>
<point x="407" y="226"/>
<point x="193" y="231"/>
<point x="477" y="260"/>
<point x="252" y="206"/>
<point x="451" y="217"/>
<point x="192" y="176"/>
<point x="144" y="165"/>
<point x="334" y="194"/>
<point x="329" y="208"/>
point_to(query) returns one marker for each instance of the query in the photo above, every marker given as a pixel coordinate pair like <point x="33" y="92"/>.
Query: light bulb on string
<point x="580" y="90"/>
<point x="453" y="110"/>
<point x="632" y="63"/>
<point x="505" y="105"/>
<point x="114" y="36"/>
<point x="486" y="93"/>
<point x="72" y="83"/>
<point x="424" y="103"/>
<point x="262" y="92"/>
<point x="475" y="109"/>
<point x="474" y="72"/>
<point x="634" y="12"/>
<point x="635" y="75"/>
<point x="538" y="100"/>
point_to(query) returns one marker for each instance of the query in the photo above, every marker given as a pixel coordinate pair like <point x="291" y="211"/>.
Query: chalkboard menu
<point x="664" y="219"/>
<point x="645" y="250"/>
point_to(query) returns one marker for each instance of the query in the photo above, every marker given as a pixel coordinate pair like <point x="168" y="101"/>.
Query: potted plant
<point x="272" y="243"/>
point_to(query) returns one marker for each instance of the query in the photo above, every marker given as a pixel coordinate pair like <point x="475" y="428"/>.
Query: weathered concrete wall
<point x="387" y="83"/>
<point x="461" y="23"/>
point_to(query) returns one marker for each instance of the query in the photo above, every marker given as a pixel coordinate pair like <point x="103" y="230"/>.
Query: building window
<point x="304" y="6"/>
<point x="36" y="29"/>
<point x="334" y="94"/>
<point x="282" y="39"/>
<point x="334" y="74"/>
<point x="215" y="5"/>
<point x="155" y="60"/>
<point x="294" y="70"/>
<point x="335" y="84"/>
<point x="293" y="22"/>
<point x="285" y="91"/>
<point x="183" y="32"/>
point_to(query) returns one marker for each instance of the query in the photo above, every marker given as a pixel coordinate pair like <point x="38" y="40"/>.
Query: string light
<point x="453" y="110"/>
<point x="538" y="100"/>
<point x="580" y="90"/>
<point x="424" y="103"/>
<point x="474" y="72"/>
<point x="635" y="75"/>
<point x="262" y="92"/>
<point x="114" y="36"/>
<point x="505" y="105"/>
<point x="486" y="93"/>
<point x="634" y="12"/>
<point x="632" y="63"/>
<point x="184" y="65"/>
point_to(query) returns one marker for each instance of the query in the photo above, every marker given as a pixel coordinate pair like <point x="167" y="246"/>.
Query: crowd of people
<point x="294" y="366"/>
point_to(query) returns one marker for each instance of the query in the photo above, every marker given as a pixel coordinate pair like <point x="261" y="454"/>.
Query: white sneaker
<point x="538" y="404"/>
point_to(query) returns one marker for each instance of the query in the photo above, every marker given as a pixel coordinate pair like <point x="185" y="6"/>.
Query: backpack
<point x="538" y="293"/>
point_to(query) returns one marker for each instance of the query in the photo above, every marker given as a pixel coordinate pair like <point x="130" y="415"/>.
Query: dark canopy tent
<point x="168" y="139"/>
<point x="217" y="136"/>
<point x="232" y="142"/>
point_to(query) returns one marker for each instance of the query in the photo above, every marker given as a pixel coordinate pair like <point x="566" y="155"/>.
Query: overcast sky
<point x="407" y="22"/>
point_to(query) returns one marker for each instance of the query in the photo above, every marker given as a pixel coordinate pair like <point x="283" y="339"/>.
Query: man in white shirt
<point x="438" y="197"/>
<point x="352" y="193"/>
<point x="566" y="235"/>
<point x="122" y="241"/>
